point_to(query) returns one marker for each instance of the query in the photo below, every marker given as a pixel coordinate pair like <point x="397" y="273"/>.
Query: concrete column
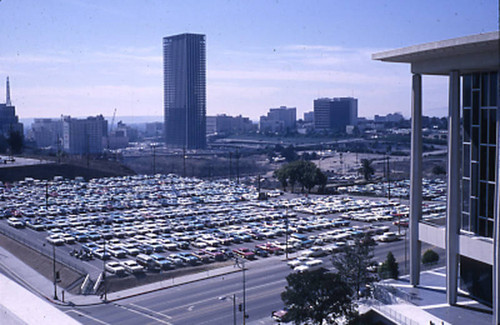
<point x="453" y="210"/>
<point x="496" y="231"/>
<point x="415" y="178"/>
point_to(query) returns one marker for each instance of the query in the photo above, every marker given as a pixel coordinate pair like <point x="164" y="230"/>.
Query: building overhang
<point x="474" y="247"/>
<point x="472" y="53"/>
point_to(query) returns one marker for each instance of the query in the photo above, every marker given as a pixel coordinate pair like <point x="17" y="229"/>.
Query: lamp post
<point x="104" y="273"/>
<point x="242" y="267"/>
<point x="54" y="270"/>
<point x="286" y="235"/>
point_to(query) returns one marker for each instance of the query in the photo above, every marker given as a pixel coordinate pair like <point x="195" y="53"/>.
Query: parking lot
<point x="157" y="224"/>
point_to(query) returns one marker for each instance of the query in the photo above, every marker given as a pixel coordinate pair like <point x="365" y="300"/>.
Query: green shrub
<point x="430" y="257"/>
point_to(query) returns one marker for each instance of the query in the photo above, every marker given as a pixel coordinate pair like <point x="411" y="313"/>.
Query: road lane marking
<point x="143" y="314"/>
<point x="85" y="315"/>
<point x="185" y="306"/>
<point x="150" y="310"/>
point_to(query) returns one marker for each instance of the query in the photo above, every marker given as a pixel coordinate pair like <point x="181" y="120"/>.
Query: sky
<point x="83" y="58"/>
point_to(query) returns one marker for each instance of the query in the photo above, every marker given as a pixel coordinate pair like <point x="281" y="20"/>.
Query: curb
<point x="70" y="304"/>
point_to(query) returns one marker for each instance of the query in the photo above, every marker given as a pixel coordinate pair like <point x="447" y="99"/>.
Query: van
<point x="146" y="261"/>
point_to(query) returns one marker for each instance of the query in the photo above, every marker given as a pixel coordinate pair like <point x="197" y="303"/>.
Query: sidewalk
<point x="43" y="287"/>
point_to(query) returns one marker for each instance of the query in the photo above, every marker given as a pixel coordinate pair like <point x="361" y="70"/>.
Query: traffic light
<point x="240" y="307"/>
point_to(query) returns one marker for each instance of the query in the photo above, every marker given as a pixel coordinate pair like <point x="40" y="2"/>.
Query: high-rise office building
<point x="84" y="136"/>
<point x="334" y="114"/>
<point x="185" y="90"/>
<point x="470" y="234"/>
<point x="279" y="120"/>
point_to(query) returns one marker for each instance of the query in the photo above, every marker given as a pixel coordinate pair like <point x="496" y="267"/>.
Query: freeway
<point x="210" y="301"/>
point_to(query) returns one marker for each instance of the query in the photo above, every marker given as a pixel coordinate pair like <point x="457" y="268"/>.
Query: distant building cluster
<point x="9" y="121"/>
<point x="228" y="125"/>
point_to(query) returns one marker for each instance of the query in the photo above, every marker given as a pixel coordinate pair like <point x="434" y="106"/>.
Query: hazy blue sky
<point x="82" y="58"/>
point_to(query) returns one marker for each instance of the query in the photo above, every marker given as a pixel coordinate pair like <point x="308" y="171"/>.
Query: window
<point x="466" y="170"/>
<point x="465" y="193"/>
<point x="467" y="90"/>
<point x="493" y="89"/>
<point x="467" y="117"/>
<point x="484" y="89"/>
<point x="492" y="121"/>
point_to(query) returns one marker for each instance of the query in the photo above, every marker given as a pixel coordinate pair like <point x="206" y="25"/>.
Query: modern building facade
<point x="279" y="120"/>
<point x="84" y="136"/>
<point x="471" y="230"/>
<point x="184" y="73"/>
<point x="9" y="121"/>
<point x="334" y="114"/>
<point x="47" y="132"/>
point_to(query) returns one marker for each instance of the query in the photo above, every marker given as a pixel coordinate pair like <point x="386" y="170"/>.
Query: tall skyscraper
<point x="185" y="90"/>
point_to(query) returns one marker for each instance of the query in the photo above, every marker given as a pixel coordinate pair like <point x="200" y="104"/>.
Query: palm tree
<point x="366" y="168"/>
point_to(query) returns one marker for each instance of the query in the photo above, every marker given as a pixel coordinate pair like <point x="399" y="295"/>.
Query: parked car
<point x="132" y="267"/>
<point x="115" y="268"/>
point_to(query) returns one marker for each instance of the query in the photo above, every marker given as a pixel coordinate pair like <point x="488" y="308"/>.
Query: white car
<point x="301" y="268"/>
<point x="132" y="267"/>
<point x="115" y="268"/>
<point x="55" y="240"/>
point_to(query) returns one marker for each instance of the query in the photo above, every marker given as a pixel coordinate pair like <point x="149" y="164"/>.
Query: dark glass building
<point x="184" y="74"/>
<point x="335" y="113"/>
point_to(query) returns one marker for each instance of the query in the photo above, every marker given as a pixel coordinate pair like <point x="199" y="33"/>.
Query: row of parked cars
<point x="432" y="189"/>
<point x="172" y="221"/>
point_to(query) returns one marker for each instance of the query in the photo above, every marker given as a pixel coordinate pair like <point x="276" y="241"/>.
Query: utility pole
<point x="104" y="273"/>
<point x="230" y="165"/>
<point x="234" y="309"/>
<point x="244" y="296"/>
<point x="388" y="180"/>
<point x="54" y="270"/>
<point x="237" y="166"/>
<point x="153" y="146"/>
<point x="286" y="234"/>
<point x="184" y="160"/>
<point x="242" y="267"/>
<point x="46" y="194"/>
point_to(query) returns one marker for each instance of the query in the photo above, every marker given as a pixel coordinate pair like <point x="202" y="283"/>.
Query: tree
<point x="430" y="257"/>
<point x="367" y="169"/>
<point x="289" y="153"/>
<point x="389" y="269"/>
<point x="317" y="296"/>
<point x="281" y="175"/>
<point x="15" y="142"/>
<point x="438" y="170"/>
<point x="353" y="261"/>
<point x="306" y="173"/>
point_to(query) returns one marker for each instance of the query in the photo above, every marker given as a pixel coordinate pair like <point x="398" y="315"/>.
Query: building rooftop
<point x="468" y="53"/>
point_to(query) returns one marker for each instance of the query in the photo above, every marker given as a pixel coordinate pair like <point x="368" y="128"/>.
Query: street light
<point x="54" y="269"/>
<point x="242" y="267"/>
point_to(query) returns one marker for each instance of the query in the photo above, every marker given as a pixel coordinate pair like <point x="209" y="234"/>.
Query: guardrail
<point x="394" y="315"/>
<point x="46" y="251"/>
